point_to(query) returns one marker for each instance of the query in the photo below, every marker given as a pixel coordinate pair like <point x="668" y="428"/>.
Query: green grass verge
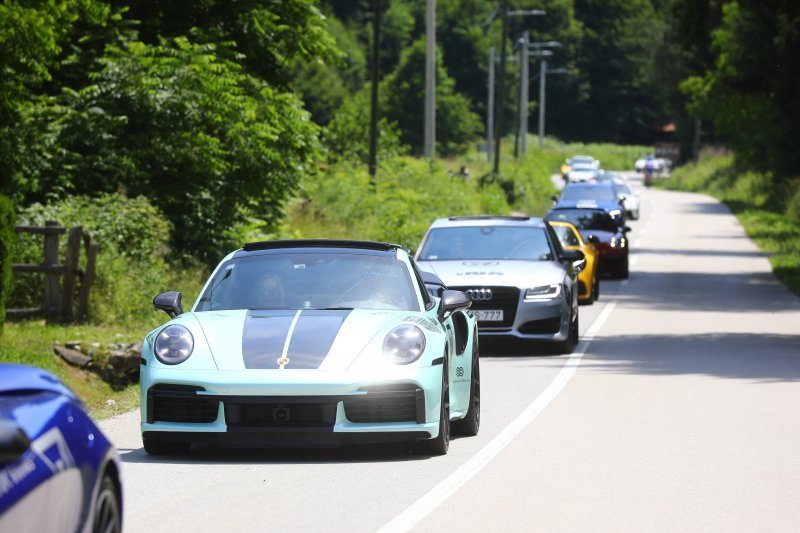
<point x="747" y="195"/>
<point x="31" y="343"/>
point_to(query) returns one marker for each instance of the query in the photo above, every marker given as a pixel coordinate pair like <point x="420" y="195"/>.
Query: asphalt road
<point x="680" y="410"/>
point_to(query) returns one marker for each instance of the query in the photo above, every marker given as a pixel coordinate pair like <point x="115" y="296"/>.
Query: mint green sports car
<point x="312" y="343"/>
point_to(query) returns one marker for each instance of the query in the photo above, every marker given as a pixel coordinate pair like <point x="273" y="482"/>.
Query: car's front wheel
<point x="567" y="346"/>
<point x="471" y="423"/>
<point x="440" y="444"/>
<point x="107" y="509"/>
<point x="620" y="268"/>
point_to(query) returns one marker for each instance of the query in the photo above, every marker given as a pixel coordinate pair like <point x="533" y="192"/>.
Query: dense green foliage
<point x="7" y="239"/>
<point x="748" y="195"/>
<point x="747" y="82"/>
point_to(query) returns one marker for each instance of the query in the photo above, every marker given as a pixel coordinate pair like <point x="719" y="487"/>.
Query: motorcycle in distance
<point x="649" y="173"/>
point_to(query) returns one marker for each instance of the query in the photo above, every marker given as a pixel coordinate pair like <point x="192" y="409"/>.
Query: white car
<point x="582" y="172"/>
<point x="522" y="282"/>
<point x="631" y="201"/>
<point x="660" y="164"/>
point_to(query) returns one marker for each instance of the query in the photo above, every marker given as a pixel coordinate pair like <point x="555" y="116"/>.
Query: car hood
<point x="20" y="378"/>
<point x="496" y="273"/>
<point x="307" y="338"/>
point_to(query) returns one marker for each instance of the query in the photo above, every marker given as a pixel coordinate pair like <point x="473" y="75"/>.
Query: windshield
<point x="588" y="219"/>
<point x="486" y="242"/>
<point x="311" y="281"/>
<point x="578" y="193"/>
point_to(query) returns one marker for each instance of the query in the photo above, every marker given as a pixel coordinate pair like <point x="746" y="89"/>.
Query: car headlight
<point x="543" y="292"/>
<point x="404" y="344"/>
<point x="173" y="345"/>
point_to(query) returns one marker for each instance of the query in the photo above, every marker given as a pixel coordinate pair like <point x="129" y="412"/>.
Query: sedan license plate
<point x="488" y="315"/>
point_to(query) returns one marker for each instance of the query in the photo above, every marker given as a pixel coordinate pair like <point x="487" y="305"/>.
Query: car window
<point x="577" y="193"/>
<point x="586" y="219"/>
<point x="566" y="236"/>
<point x="311" y="280"/>
<point x="487" y="242"/>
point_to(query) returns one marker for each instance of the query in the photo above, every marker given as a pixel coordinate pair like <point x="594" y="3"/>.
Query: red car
<point x="606" y="232"/>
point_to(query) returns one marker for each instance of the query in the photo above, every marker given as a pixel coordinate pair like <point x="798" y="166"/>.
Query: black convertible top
<point x="320" y="243"/>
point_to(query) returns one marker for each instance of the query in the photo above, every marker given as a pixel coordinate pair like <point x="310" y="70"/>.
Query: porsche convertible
<point x="311" y="343"/>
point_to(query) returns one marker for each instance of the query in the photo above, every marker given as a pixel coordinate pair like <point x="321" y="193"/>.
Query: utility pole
<point x="430" y="80"/>
<point x="490" y="108"/>
<point x="523" y="94"/>
<point x="498" y="109"/>
<point x="542" y="78"/>
<point x="373" y="122"/>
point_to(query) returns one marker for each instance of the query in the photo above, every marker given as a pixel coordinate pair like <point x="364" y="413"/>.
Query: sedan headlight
<point x="543" y="292"/>
<point x="174" y="345"/>
<point x="404" y="344"/>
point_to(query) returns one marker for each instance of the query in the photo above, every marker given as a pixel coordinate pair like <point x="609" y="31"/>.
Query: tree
<point x="751" y="93"/>
<point x="616" y="60"/>
<point x="182" y="125"/>
<point x="402" y="97"/>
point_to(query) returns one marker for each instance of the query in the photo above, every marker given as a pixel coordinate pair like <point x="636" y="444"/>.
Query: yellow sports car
<point x="570" y="238"/>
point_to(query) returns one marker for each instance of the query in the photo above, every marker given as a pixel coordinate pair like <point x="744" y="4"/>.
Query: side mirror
<point x="575" y="257"/>
<point x="593" y="239"/>
<point x="169" y="302"/>
<point x="572" y="256"/>
<point x="14" y="442"/>
<point x="626" y="229"/>
<point x="453" y="301"/>
<point x="554" y="198"/>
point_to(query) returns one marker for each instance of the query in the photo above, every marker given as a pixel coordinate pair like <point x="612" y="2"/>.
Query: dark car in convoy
<point x="593" y="194"/>
<point x="608" y="234"/>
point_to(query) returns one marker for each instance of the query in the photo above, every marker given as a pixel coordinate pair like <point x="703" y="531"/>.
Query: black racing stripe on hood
<point x="313" y="336"/>
<point x="264" y="336"/>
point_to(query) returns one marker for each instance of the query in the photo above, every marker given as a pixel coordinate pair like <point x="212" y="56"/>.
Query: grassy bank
<point x="31" y="343"/>
<point x="752" y="198"/>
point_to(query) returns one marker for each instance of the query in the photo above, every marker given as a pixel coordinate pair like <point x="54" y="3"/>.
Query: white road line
<point x="449" y="485"/>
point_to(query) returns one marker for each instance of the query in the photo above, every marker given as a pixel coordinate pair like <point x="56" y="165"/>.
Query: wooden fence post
<point x="52" y="288"/>
<point x="70" y="273"/>
<point x="88" y="277"/>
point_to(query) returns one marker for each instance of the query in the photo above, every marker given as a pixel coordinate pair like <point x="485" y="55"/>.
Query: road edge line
<point x="420" y="509"/>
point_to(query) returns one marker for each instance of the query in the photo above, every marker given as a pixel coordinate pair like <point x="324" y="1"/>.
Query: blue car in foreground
<point x="58" y="472"/>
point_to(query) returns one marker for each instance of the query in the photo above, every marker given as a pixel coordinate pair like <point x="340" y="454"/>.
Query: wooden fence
<point x="59" y="295"/>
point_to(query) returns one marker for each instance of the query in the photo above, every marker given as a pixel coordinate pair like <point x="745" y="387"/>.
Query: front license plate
<point x="488" y="315"/>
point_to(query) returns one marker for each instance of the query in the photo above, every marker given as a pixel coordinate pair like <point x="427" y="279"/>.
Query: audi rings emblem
<point x="479" y="295"/>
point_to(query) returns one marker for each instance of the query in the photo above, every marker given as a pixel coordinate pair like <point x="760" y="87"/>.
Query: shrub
<point x="6" y="244"/>
<point x="131" y="264"/>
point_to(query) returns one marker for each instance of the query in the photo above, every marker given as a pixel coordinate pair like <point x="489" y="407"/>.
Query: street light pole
<point x="523" y="95"/>
<point x="430" y="80"/>
<point x="498" y="110"/>
<point x="373" y="120"/>
<point x="490" y="108"/>
<point x="542" y="77"/>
